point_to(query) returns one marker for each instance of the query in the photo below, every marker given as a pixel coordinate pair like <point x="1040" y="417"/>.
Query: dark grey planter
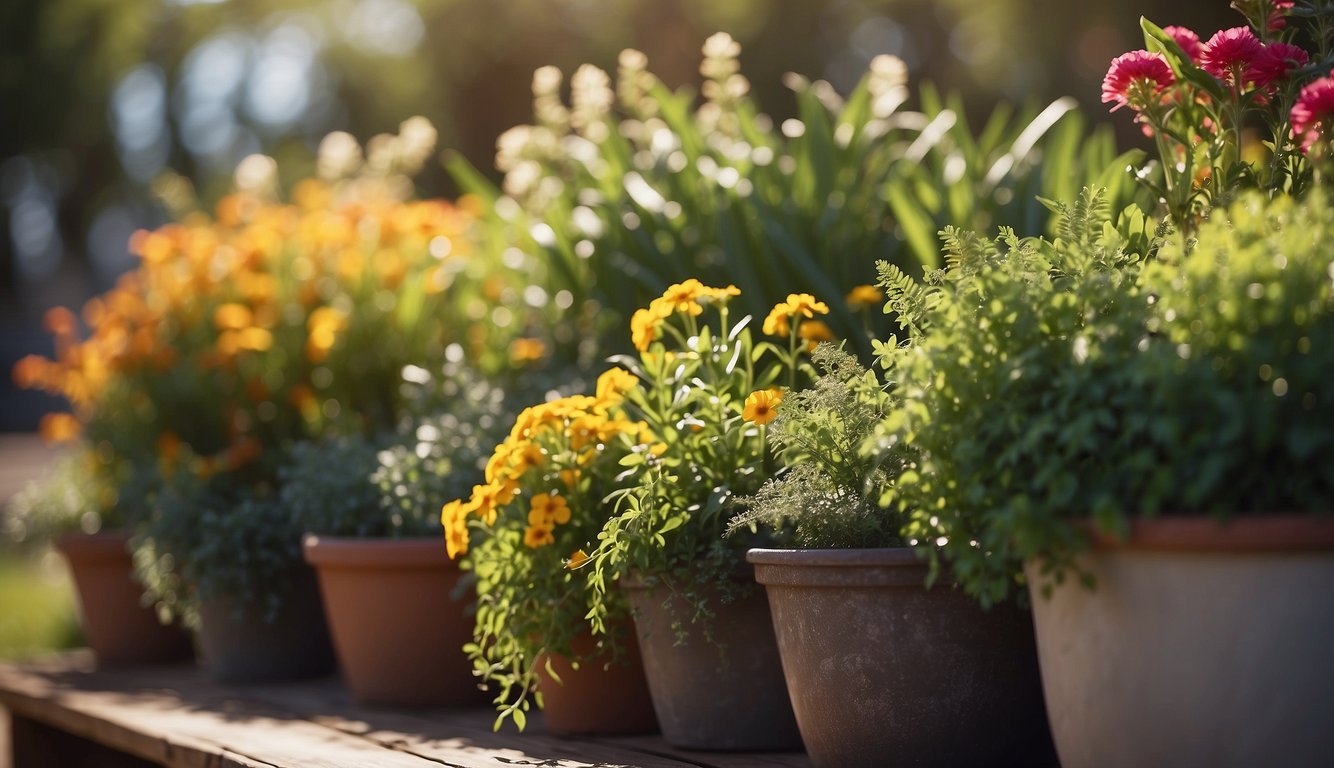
<point x="724" y="693"/>
<point x="239" y="646"/>
<point x="882" y="671"/>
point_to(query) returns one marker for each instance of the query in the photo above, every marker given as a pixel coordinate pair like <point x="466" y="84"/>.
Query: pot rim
<point x="102" y="545"/>
<point x="379" y="553"/>
<point x="892" y="567"/>
<point x="1200" y="533"/>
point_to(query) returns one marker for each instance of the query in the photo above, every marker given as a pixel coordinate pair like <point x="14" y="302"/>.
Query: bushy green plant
<point x="1097" y="378"/>
<point x="69" y="497"/>
<point x="829" y="491"/>
<point x="625" y="191"/>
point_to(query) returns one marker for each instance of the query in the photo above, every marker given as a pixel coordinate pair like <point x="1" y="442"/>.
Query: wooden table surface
<point x="178" y="716"/>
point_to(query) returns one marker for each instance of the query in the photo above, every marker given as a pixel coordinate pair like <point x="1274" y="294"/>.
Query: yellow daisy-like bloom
<point x="614" y="383"/>
<point x="683" y="297"/>
<point x="454" y="517"/>
<point x="577" y="559"/>
<point x="806" y="305"/>
<point x="644" y="328"/>
<point x="863" y="296"/>
<point x="722" y="294"/>
<point x="527" y="350"/>
<point x="549" y="509"/>
<point x="813" y="332"/>
<point x="776" y="323"/>
<point x="233" y="317"/>
<point x="536" y="536"/>
<point x="762" y="405"/>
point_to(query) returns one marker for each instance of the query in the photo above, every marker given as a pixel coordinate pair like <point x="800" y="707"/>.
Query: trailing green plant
<point x="632" y="186"/>
<point x="1101" y="376"/>
<point x="828" y="492"/>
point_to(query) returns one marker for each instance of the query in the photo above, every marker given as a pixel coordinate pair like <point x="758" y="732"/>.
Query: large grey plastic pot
<point x="721" y="692"/>
<point x="240" y="645"/>
<point x="883" y="671"/>
<point x="1200" y="645"/>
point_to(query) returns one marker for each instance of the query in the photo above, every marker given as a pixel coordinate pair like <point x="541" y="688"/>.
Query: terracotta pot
<point x="597" y="698"/>
<point x="240" y="646"/>
<point x="724" y="692"/>
<point x="1200" y="645"/>
<point x="885" y="672"/>
<point x="117" y="625"/>
<point x="397" y="619"/>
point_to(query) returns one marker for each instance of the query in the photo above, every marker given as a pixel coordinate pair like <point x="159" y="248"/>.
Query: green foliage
<point x="624" y="193"/>
<point x="71" y="496"/>
<point x="1088" y="377"/>
<point x="829" y="492"/>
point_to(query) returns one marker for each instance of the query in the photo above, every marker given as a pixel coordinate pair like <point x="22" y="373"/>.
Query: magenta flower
<point x="1188" y="40"/>
<point x="1277" y="11"/>
<point x="1312" y="114"/>
<point x="1136" y="79"/>
<point x="1275" y="62"/>
<point x="1230" y="53"/>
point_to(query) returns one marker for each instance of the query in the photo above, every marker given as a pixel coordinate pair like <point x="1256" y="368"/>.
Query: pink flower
<point x="1136" y="79"/>
<point x="1188" y="40"/>
<point x="1277" y="11"/>
<point x="1313" y="112"/>
<point x="1229" y="53"/>
<point x="1275" y="62"/>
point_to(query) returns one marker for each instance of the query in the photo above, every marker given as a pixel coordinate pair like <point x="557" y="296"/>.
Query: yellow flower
<point x="644" y="328"/>
<point x="805" y="305"/>
<point x="776" y="323"/>
<point x="614" y="383"/>
<point x="527" y="350"/>
<point x="549" y="509"/>
<point x="538" y="536"/>
<point x="233" y="317"/>
<point x="59" y="427"/>
<point x="813" y="332"/>
<point x="683" y="297"/>
<point x="722" y="294"/>
<point x="454" y="517"/>
<point x="863" y="296"/>
<point x="762" y="405"/>
<point x="577" y="559"/>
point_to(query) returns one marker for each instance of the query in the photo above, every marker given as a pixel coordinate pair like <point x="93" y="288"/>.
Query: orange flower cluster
<point x="228" y="329"/>
<point x="687" y="298"/>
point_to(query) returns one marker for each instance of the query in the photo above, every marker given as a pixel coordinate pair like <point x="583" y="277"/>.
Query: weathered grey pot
<point x="1200" y="645"/>
<point x="884" y="672"/>
<point x="724" y="692"/>
<point x="240" y="646"/>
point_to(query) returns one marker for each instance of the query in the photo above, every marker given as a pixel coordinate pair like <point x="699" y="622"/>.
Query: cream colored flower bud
<point x="257" y="175"/>
<point x="339" y="156"/>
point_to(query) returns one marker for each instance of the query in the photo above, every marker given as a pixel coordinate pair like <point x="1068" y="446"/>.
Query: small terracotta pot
<point x="240" y="645"/>
<point x="883" y="671"/>
<point x="117" y="625"/>
<point x="720" y="690"/>
<point x="597" y="698"/>
<point x="1200" y="645"/>
<point x="398" y="622"/>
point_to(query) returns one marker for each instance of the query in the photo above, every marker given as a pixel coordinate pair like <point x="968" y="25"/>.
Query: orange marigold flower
<point x="60" y="322"/>
<point x="776" y="324"/>
<point x="233" y="317"/>
<point x="577" y="559"/>
<point x="549" y="509"/>
<point x="59" y="427"/>
<point x="762" y="405"/>
<point x="863" y="296"/>
<point x="683" y="297"/>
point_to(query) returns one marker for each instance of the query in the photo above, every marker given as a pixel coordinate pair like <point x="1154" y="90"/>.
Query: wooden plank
<point x="178" y="716"/>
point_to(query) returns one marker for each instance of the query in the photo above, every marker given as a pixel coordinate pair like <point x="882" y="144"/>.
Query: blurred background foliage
<point x="99" y="97"/>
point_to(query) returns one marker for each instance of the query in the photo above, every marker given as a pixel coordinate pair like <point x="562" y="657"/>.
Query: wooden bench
<point x="66" y="712"/>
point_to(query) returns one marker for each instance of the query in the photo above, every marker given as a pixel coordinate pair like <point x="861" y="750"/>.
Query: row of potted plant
<point x="1060" y="413"/>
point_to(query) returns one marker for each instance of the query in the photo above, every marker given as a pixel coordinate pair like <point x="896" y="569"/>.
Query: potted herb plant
<point x="707" y="391"/>
<point x="77" y="508"/>
<point x="523" y="532"/>
<point x="880" y="669"/>
<point x="1151" y="464"/>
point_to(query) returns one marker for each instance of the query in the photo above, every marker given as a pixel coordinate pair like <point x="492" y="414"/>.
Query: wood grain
<point x="178" y="716"/>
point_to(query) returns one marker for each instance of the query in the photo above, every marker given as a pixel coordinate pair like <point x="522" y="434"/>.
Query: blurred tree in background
<point x="99" y="97"/>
